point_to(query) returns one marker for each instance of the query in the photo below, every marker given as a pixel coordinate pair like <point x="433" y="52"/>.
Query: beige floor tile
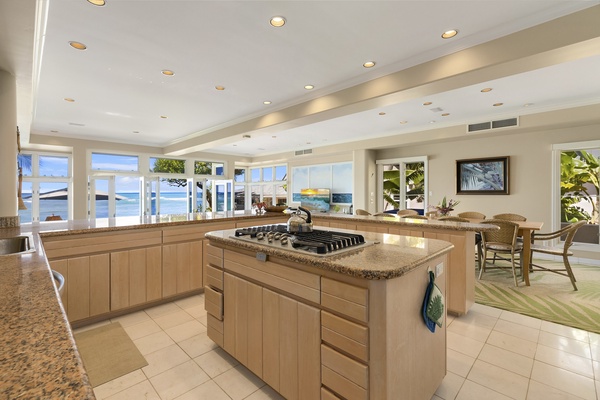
<point x="238" y="382"/>
<point x="506" y="359"/>
<point x="581" y="349"/>
<point x="119" y="384"/>
<point x="142" y="329"/>
<point x="470" y="330"/>
<point x="570" y="362"/>
<point x="598" y="389"/>
<point x="92" y="326"/>
<point x="173" y="319"/>
<point x="178" y="380"/>
<point x="479" y="319"/>
<point x="594" y="338"/>
<point x="164" y="359"/>
<point x="153" y="342"/>
<point x="163" y="309"/>
<point x="539" y="391"/>
<point x="566" y="331"/>
<point x="435" y="397"/>
<point x="143" y="390"/>
<point x="512" y="343"/>
<point x="185" y="331"/>
<point x="596" y="365"/>
<point x="450" y="386"/>
<point x="131" y="319"/>
<point x="487" y="310"/>
<point x="202" y="319"/>
<point x="197" y="311"/>
<point x="265" y="393"/>
<point x="192" y="301"/>
<point x="464" y="345"/>
<point x="521" y="319"/>
<point x="564" y="380"/>
<point x="197" y="345"/>
<point x="459" y="363"/>
<point x="473" y="391"/>
<point x="499" y="380"/>
<point x="215" y="362"/>
<point x="449" y="319"/>
<point x="595" y="350"/>
<point x="207" y="391"/>
<point x="517" y="330"/>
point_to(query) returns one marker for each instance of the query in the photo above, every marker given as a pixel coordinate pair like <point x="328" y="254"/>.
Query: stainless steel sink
<point x="16" y="245"/>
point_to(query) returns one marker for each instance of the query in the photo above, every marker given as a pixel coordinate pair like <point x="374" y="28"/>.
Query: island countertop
<point x="385" y="257"/>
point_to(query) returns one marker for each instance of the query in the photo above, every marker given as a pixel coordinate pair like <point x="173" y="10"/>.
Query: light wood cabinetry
<point x="315" y="334"/>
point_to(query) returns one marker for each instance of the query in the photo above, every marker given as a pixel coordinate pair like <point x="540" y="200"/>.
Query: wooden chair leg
<point x="512" y="259"/>
<point x="482" y="263"/>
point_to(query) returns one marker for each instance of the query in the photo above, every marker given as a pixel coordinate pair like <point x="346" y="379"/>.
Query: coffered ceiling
<point x="119" y="94"/>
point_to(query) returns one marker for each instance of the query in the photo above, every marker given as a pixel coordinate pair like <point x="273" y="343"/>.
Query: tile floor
<point x="492" y="354"/>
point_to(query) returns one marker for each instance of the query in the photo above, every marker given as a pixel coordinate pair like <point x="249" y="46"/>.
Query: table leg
<point x="526" y="256"/>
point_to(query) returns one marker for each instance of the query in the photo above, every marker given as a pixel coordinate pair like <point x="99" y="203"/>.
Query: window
<point x="46" y="186"/>
<point x="208" y="168"/>
<point x="403" y="183"/>
<point x="267" y="184"/>
<point x="338" y="178"/>
<point x="167" y="165"/>
<point x="114" y="162"/>
<point x="579" y="189"/>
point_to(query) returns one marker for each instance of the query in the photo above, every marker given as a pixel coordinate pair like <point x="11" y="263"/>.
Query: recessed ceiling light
<point x="497" y="104"/>
<point x="164" y="117"/>
<point x="54" y="131"/>
<point x="485" y="90"/>
<point x="445" y="114"/>
<point x="246" y="136"/>
<point x="432" y="121"/>
<point x="167" y="72"/>
<point x="218" y="87"/>
<point x="449" y="34"/>
<point x="277" y="21"/>
<point x="97" y="2"/>
<point x="266" y="102"/>
<point x="381" y="113"/>
<point x="403" y="122"/>
<point x="70" y="100"/>
<point x="77" y="45"/>
<point x="308" y="87"/>
<point x="527" y="105"/>
<point x="369" y="64"/>
<point x="427" y="103"/>
<point x="136" y="132"/>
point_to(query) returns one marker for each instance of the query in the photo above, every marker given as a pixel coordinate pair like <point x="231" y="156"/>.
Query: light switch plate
<point x="439" y="269"/>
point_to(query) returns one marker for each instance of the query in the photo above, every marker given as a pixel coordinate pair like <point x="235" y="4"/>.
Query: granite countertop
<point x="38" y="356"/>
<point x="390" y="256"/>
<point x="409" y="222"/>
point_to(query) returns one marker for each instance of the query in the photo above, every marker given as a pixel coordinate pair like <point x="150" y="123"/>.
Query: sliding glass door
<point x="402" y="184"/>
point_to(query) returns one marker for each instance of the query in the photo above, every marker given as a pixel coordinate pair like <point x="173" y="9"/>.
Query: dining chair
<point x="452" y="218"/>
<point x="471" y="214"/>
<point x="360" y="211"/>
<point x="510" y="217"/>
<point x="384" y="215"/>
<point x="568" y="232"/>
<point x="503" y="241"/>
<point x="407" y="212"/>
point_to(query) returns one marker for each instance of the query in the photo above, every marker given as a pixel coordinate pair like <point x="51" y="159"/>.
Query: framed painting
<point x="482" y="176"/>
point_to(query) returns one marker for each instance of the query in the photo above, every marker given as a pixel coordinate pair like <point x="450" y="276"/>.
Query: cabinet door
<point x="182" y="267"/>
<point x="79" y="288"/>
<point x="119" y="280"/>
<point x="153" y="273"/>
<point x="99" y="284"/>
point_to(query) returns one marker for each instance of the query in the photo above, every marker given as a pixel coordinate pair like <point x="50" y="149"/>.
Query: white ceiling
<point x="120" y="94"/>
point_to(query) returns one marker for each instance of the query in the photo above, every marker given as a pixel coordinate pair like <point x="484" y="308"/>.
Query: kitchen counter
<point x="384" y="257"/>
<point x="38" y="356"/>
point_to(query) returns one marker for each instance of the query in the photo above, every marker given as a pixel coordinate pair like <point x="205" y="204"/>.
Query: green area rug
<point x="550" y="297"/>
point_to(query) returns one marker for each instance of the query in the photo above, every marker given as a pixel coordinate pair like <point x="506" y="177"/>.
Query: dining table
<point x="526" y="229"/>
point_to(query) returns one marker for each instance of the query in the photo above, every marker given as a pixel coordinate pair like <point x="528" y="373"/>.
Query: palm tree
<point x="414" y="181"/>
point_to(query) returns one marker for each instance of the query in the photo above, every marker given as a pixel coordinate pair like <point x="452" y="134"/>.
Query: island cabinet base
<point x="315" y="334"/>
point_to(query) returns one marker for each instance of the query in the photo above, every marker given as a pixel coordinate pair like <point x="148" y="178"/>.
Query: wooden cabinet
<point x="135" y="277"/>
<point x="87" y="282"/>
<point x="276" y="337"/>
<point x="182" y="267"/>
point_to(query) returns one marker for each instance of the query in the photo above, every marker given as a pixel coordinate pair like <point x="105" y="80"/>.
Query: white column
<point x="365" y="189"/>
<point x="8" y="145"/>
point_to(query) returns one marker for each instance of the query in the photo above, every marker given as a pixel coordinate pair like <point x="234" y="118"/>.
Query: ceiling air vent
<point x="302" y="152"/>
<point x="502" y="123"/>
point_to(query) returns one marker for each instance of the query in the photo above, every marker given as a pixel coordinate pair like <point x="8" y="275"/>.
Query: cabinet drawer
<point x="215" y="329"/>
<point x="327" y="395"/>
<point x="344" y="298"/>
<point x="344" y="375"/>
<point x="214" y="261"/>
<point x="214" y="277"/>
<point x="345" y="335"/>
<point x="213" y="302"/>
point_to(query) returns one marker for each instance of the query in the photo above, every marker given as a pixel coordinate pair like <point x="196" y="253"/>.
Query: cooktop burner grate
<point x="318" y="241"/>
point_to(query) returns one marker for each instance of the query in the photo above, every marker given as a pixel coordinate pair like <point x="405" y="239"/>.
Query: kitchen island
<point x="330" y="327"/>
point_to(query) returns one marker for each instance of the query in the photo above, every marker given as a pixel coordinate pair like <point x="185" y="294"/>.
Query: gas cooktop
<point x="318" y="242"/>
